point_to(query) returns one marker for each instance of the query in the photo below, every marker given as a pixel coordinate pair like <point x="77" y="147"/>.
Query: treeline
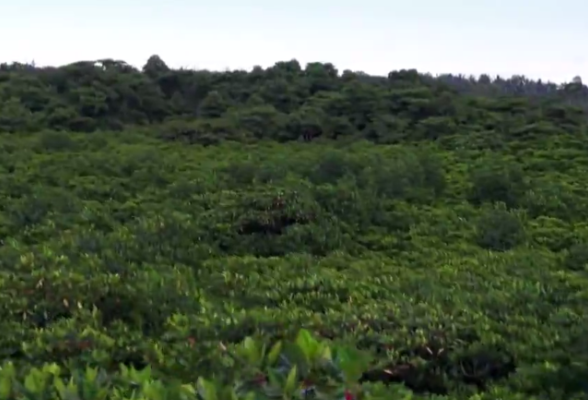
<point x="284" y="102"/>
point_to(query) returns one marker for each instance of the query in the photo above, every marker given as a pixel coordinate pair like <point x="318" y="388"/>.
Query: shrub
<point x="499" y="229"/>
<point x="576" y="258"/>
<point x="494" y="182"/>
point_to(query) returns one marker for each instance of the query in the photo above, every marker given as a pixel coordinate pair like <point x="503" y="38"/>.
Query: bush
<point x="494" y="182"/>
<point x="499" y="230"/>
<point x="576" y="258"/>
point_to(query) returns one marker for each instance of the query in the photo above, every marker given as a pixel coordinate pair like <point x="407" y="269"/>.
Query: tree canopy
<point x="284" y="102"/>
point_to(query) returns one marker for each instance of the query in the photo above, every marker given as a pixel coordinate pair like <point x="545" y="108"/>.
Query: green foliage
<point x="496" y="182"/>
<point x="286" y="102"/>
<point x="303" y="368"/>
<point x="577" y="257"/>
<point x="172" y="234"/>
<point x="499" y="229"/>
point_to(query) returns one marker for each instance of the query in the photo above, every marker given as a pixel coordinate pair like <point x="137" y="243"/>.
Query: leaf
<point x="60" y="387"/>
<point x="251" y="350"/>
<point x="274" y="353"/>
<point x="250" y="396"/>
<point x="352" y="363"/>
<point x="306" y="343"/>
<point x="290" y="386"/>
<point x="91" y="374"/>
<point x="206" y="389"/>
<point x="30" y="383"/>
<point x="5" y="387"/>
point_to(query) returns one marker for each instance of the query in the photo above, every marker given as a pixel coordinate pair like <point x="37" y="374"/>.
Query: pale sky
<point x="545" y="39"/>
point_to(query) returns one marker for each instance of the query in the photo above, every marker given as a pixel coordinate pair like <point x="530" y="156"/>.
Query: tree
<point x="213" y="106"/>
<point x="155" y="67"/>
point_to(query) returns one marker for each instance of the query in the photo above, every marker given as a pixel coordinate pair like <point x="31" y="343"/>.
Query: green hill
<point x="158" y="226"/>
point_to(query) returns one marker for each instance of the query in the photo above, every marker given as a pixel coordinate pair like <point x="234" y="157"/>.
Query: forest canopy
<point x="284" y="102"/>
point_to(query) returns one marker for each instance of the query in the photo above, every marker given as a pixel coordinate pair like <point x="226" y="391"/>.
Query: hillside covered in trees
<point x="289" y="233"/>
<point x="284" y="102"/>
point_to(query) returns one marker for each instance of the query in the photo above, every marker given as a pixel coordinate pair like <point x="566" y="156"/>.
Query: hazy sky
<point x="537" y="38"/>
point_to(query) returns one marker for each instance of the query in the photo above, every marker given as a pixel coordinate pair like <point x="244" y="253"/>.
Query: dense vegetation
<point x="378" y="237"/>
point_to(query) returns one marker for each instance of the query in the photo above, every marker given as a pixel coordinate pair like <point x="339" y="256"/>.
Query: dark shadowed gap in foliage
<point x="274" y="225"/>
<point x="440" y="368"/>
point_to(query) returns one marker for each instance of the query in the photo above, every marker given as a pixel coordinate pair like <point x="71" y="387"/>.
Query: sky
<point x="545" y="39"/>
